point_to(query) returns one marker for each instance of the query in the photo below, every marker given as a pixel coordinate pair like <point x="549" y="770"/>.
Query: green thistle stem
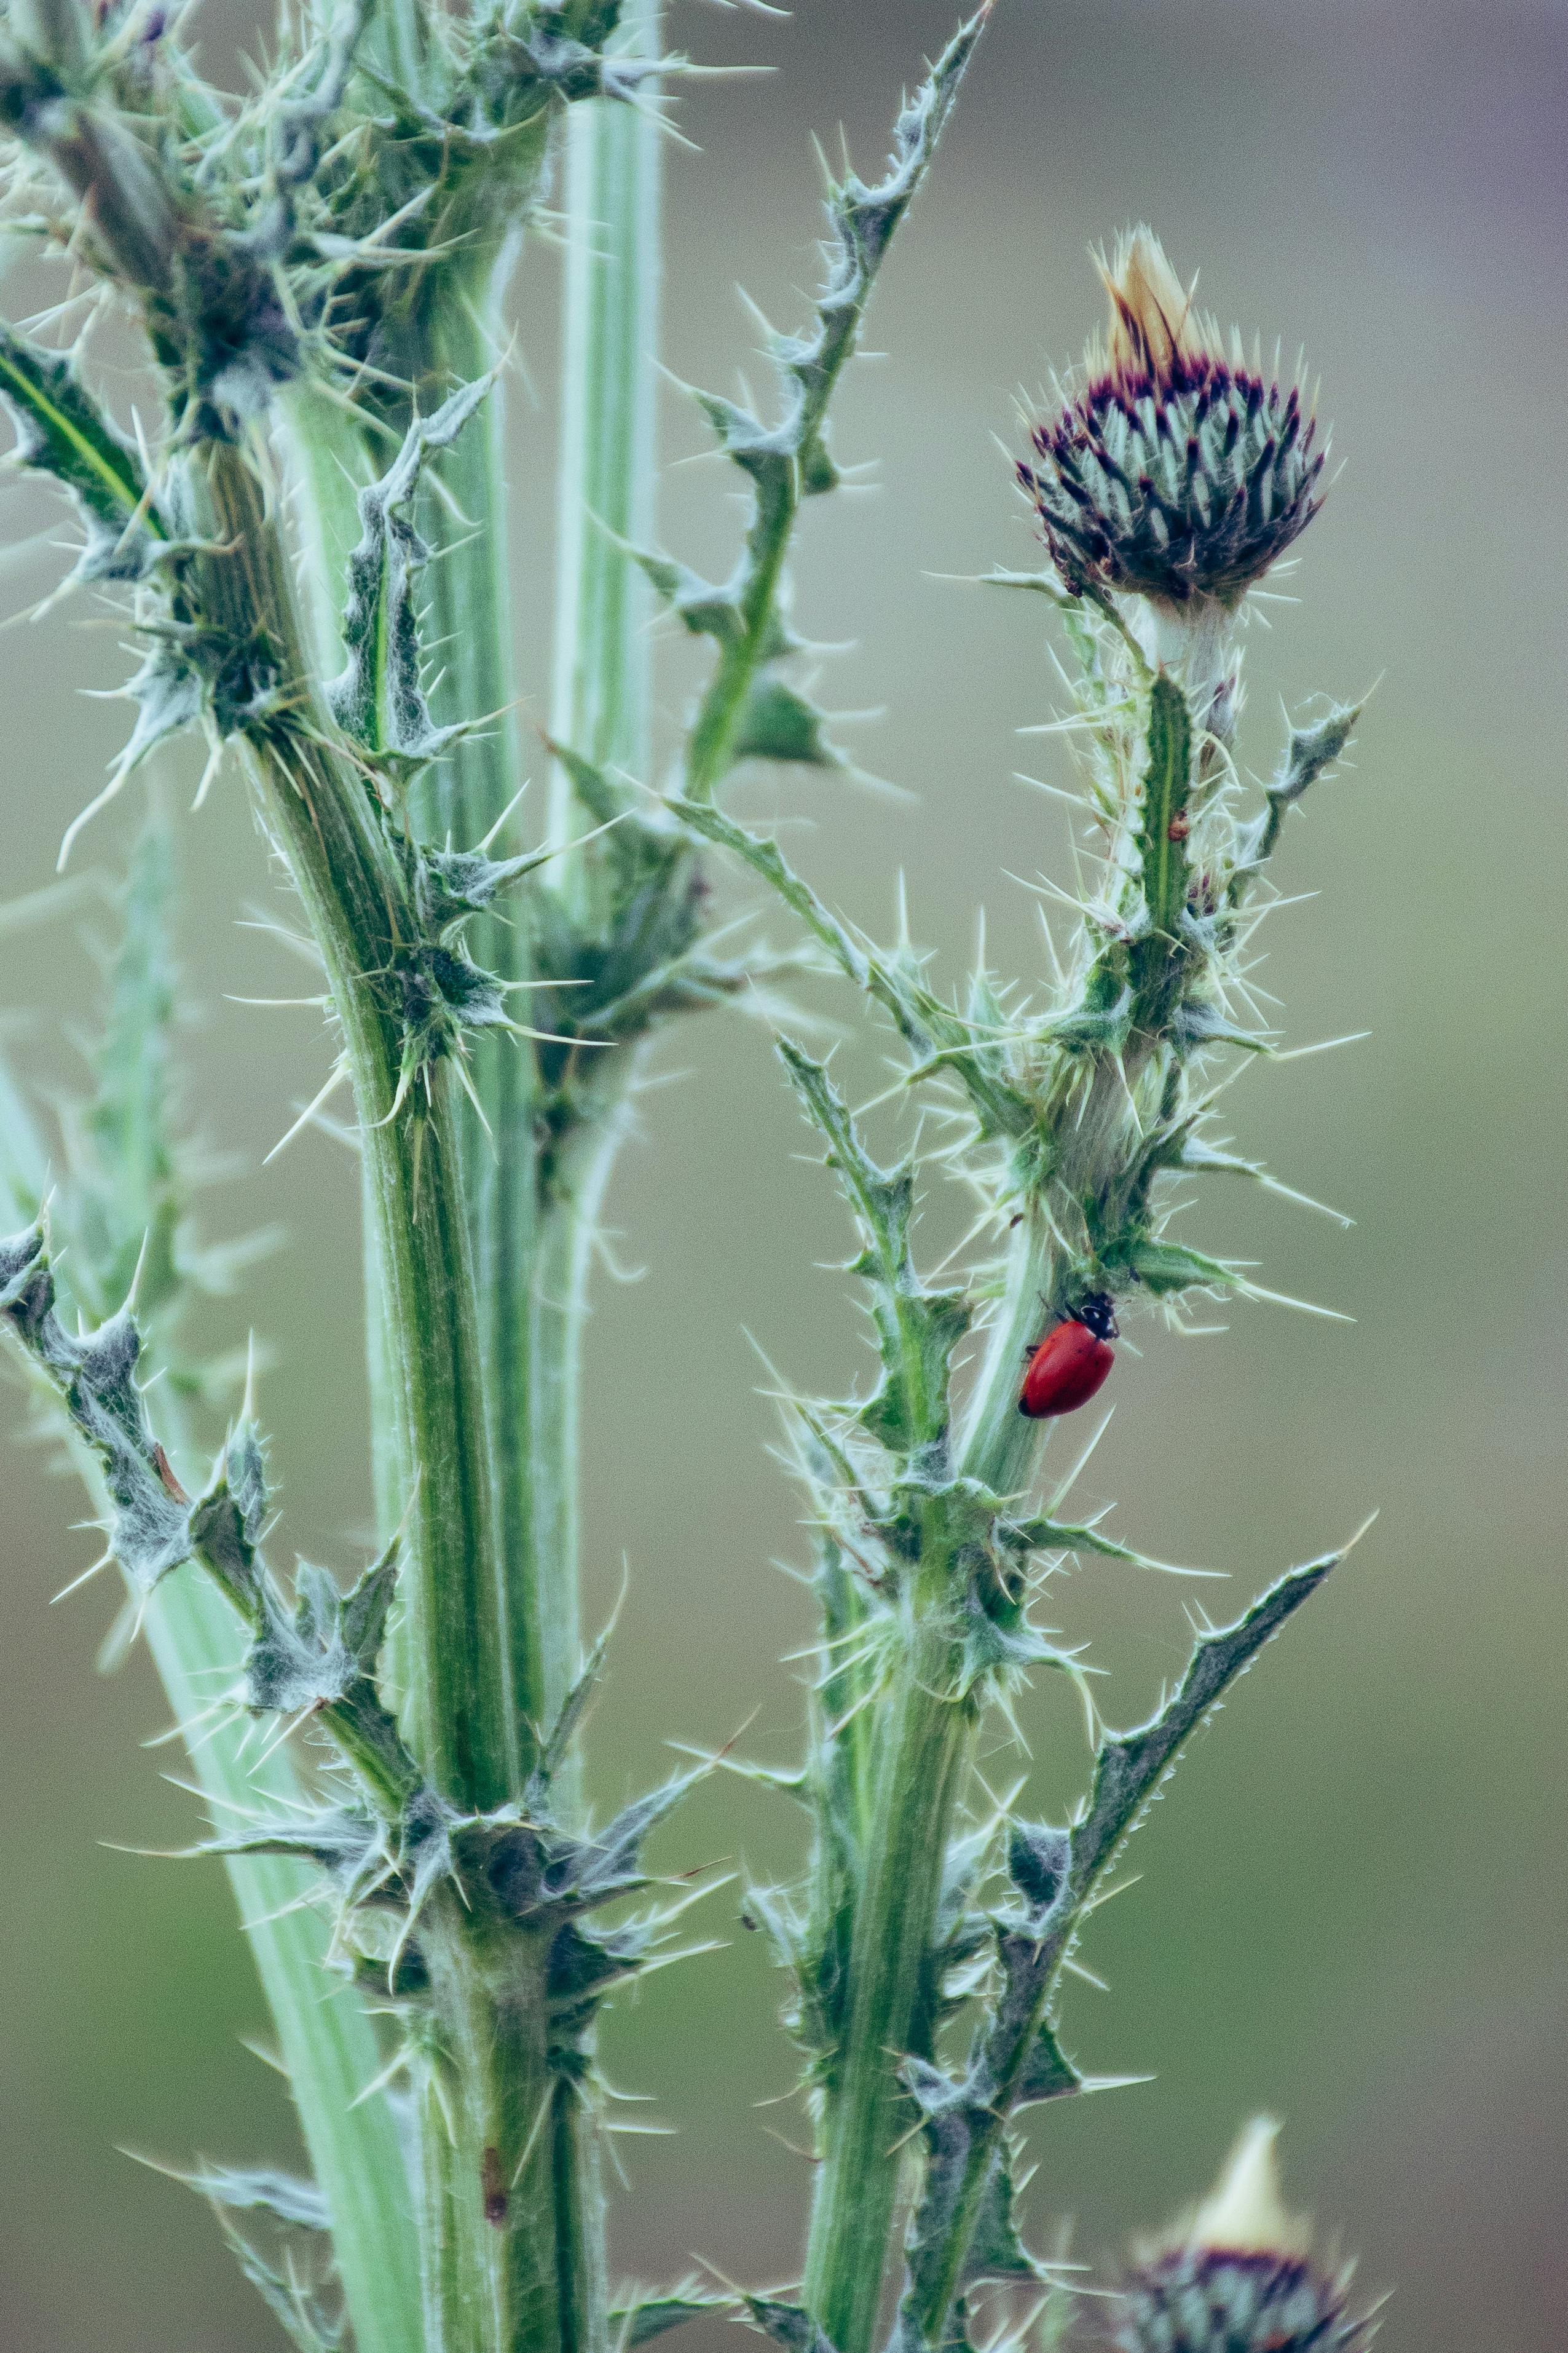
<point x="471" y="632"/>
<point x="600" y="708"/>
<point x="487" y="2097"/>
<point x="999" y="1446"/>
<point x="600" y="701"/>
<point x="924" y="1752"/>
<point x="531" y="1246"/>
<point x="557" y="1310"/>
<point x="925" y="1738"/>
<point x="485" y="2273"/>
<point x="323" y="819"/>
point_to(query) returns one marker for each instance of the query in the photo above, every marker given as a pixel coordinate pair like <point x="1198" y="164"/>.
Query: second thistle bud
<point x="1178" y="470"/>
<point x="1238" y="2277"/>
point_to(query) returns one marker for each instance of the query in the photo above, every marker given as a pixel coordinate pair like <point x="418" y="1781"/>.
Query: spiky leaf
<point x="942" y="1041"/>
<point x="1309" y="754"/>
<point x="917" y="1329"/>
<point x="1018" y="2059"/>
<point x="788" y="461"/>
<point x="639" y="2323"/>
<point x="790" y="2326"/>
<point x="61" y="430"/>
<point x="282" y="2195"/>
<point x="95" y="1379"/>
<point x="379" y="698"/>
<point x="778" y="723"/>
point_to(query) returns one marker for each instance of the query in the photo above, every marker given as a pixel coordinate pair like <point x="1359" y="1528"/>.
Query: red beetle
<point x="1072" y="1362"/>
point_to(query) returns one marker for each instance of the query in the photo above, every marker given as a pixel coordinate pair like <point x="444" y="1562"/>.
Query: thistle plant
<point x="307" y="530"/>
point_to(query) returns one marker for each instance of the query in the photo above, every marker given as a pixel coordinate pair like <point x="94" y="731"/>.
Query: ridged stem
<point x="600" y="708"/>
<point x="470" y="633"/>
<point x="924" y="1749"/>
<point x="529" y="1256"/>
<point x="530" y="1263"/>
<point x="600" y="700"/>
<point x="557" y="1310"/>
<point x="486" y="2263"/>
<point x="486" y="2096"/>
<point x="924" y="1740"/>
<point x="321" y="816"/>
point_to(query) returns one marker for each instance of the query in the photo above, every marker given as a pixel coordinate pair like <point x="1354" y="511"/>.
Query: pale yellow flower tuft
<point x="1244" y="2210"/>
<point x="1154" y="327"/>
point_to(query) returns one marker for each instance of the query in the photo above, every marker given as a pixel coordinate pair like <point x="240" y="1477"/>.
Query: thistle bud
<point x="1178" y="470"/>
<point x="1236" y="2276"/>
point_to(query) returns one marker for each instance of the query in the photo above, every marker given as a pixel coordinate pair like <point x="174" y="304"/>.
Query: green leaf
<point x="778" y="723"/>
<point x="942" y="1041"/>
<point x="1043" y="1534"/>
<point x="95" y="1379"/>
<point x="789" y="460"/>
<point x="917" y="1329"/>
<point x="1314" y="750"/>
<point x="297" y="2309"/>
<point x="171" y="690"/>
<point x="1131" y="1764"/>
<point x="1047" y="2072"/>
<point x="707" y="610"/>
<point x="226" y="1524"/>
<point x="790" y="2326"/>
<point x="1165" y="1267"/>
<point x="556" y="1746"/>
<point x="321" y="1658"/>
<point x="1309" y="755"/>
<point x="282" y="2195"/>
<point x="62" y="431"/>
<point x="638" y="2324"/>
<point x="996" y="2253"/>
<point x="325" y="1655"/>
<point x="379" y="698"/>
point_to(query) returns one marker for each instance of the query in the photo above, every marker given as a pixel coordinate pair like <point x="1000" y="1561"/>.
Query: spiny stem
<point x="924" y="1738"/>
<point x="486" y="2093"/>
<point x="320" y="812"/>
<point x="471" y="625"/>
<point x="466" y="1724"/>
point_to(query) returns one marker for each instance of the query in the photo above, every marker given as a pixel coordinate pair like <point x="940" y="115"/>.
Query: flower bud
<point x="1177" y="470"/>
<point x="1236" y="2276"/>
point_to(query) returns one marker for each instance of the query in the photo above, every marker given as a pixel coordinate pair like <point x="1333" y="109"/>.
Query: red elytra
<point x="1065" y="1371"/>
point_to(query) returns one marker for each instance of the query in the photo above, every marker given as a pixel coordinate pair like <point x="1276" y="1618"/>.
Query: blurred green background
<point x="1352" y="1905"/>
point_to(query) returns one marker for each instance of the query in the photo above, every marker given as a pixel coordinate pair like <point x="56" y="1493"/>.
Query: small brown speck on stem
<point x="166" y="1472"/>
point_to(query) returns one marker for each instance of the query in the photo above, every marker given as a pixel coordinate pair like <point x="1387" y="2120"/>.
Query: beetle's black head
<point x="1096" y="1309"/>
